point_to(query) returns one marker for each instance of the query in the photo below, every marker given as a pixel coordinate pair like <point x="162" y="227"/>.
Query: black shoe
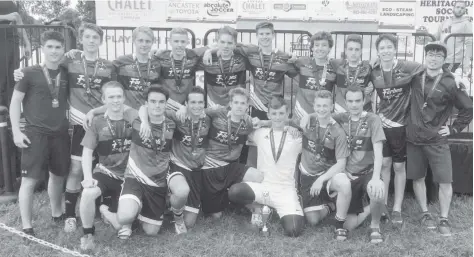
<point x="59" y="219"/>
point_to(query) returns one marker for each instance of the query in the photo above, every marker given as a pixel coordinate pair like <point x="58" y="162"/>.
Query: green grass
<point x="231" y="237"/>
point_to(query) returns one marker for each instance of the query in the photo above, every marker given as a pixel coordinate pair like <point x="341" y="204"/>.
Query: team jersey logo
<point x="261" y="75"/>
<point x="231" y="80"/>
<point x="148" y="143"/>
<point x="137" y="85"/>
<point x="186" y="73"/>
<point x="94" y="83"/>
<point x="186" y="140"/>
<point x="392" y="93"/>
<point x="222" y="137"/>
<point x="311" y="84"/>
<point x="121" y="145"/>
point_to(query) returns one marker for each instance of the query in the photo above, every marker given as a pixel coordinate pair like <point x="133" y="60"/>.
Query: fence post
<point x="8" y="189"/>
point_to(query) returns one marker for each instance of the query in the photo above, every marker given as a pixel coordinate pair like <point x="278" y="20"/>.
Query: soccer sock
<point x="89" y="230"/>
<point x="339" y="222"/>
<point x="71" y="200"/>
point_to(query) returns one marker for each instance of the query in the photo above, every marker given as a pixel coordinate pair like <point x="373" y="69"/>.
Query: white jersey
<point x="280" y="173"/>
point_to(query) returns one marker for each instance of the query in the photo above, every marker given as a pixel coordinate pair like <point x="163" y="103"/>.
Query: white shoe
<point x="125" y="232"/>
<point x="102" y="209"/>
<point x="87" y="242"/>
<point x="179" y="225"/>
<point x="70" y="225"/>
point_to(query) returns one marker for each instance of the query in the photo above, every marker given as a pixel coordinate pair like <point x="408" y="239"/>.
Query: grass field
<point x="232" y="237"/>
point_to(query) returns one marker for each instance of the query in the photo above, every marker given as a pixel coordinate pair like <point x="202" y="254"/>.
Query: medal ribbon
<point x="86" y="74"/>
<point x="349" y="134"/>
<point x="348" y="81"/>
<point x="53" y="89"/>
<point x="225" y="75"/>
<point x="178" y="78"/>
<point x="266" y="71"/>
<point x="322" y="81"/>
<point x="276" y="155"/>
<point x="229" y="132"/>
<point x="143" y="80"/>
<point x="195" y="136"/>
<point x="435" y="85"/>
<point x="112" y="129"/>
<point x="318" y="140"/>
<point x="162" y="138"/>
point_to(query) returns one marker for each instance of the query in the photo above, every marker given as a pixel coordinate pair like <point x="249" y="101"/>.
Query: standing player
<point x="278" y="153"/>
<point x="365" y="138"/>
<point x="433" y="99"/>
<point x="43" y="93"/>
<point x="110" y="136"/>
<point x="392" y="80"/>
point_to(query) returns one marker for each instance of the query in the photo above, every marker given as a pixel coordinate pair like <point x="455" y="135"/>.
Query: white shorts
<point x="284" y="200"/>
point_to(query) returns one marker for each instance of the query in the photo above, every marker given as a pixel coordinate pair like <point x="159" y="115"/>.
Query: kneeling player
<point x="322" y="165"/>
<point x="110" y="137"/>
<point x="277" y="161"/>
<point x="365" y="139"/>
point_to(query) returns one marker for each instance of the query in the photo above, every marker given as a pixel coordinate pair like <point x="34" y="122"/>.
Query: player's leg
<point x="60" y="161"/>
<point x="287" y="204"/>
<point x="179" y="194"/>
<point x="340" y="186"/>
<point x="193" y="203"/>
<point x="87" y="211"/>
<point x="55" y="193"/>
<point x="359" y="207"/>
<point x="399" y="158"/>
<point x="292" y="225"/>
<point x="130" y="203"/>
<point x="387" y="163"/>
<point x="252" y="175"/>
<point x="314" y="208"/>
<point x="154" y="205"/>
<point x="377" y="207"/>
<point x="109" y="206"/>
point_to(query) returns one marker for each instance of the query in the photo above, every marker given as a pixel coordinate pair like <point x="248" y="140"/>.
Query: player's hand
<point x="316" y="187"/>
<point x="369" y="89"/>
<point x="294" y="132"/>
<point x="87" y="122"/>
<point x="21" y="140"/>
<point x="350" y="176"/>
<point x="182" y="113"/>
<point x="444" y="131"/>
<point x="304" y="121"/>
<point x="89" y="183"/>
<point x="207" y="57"/>
<point x="27" y="49"/>
<point x="256" y="123"/>
<point x="145" y="130"/>
<point x="72" y="53"/>
<point x="18" y="74"/>
<point x="376" y="189"/>
<point x="14" y="16"/>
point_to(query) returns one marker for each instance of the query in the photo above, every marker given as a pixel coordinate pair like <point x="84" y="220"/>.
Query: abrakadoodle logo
<point x="219" y="7"/>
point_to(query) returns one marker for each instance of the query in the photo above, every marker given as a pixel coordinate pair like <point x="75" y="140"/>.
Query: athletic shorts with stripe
<point x="283" y="199"/>
<point x="317" y="202"/>
<point x="360" y="198"/>
<point x="110" y="188"/>
<point x="194" y="180"/>
<point x="152" y="200"/>
<point x="215" y="184"/>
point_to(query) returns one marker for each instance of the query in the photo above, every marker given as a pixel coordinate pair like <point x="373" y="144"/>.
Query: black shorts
<point x="254" y="112"/>
<point x="438" y="157"/>
<point x="215" y="184"/>
<point x="51" y="151"/>
<point x="110" y="189"/>
<point x="152" y="200"/>
<point x="360" y="197"/>
<point x="396" y="145"/>
<point x="194" y="179"/>
<point x="78" y="133"/>
<point x="314" y="203"/>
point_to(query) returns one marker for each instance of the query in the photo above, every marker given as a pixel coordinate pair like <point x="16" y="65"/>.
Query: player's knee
<point x="341" y="184"/>
<point x="292" y="225"/>
<point x="76" y="169"/>
<point x="181" y="191"/>
<point x="386" y="163"/>
<point x="28" y="183"/>
<point x="125" y="217"/>
<point x="90" y="194"/>
<point x="150" y="229"/>
<point x="313" y="218"/>
<point x="241" y="193"/>
<point x="399" y="167"/>
<point x="445" y="187"/>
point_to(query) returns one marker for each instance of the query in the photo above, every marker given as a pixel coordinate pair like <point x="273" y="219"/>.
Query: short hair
<point x="264" y="25"/>
<point x="323" y="94"/>
<point x="321" y="35"/>
<point x="390" y="37"/>
<point x="142" y="29"/>
<point x="52" y="35"/>
<point x="459" y="1"/>
<point x="92" y="27"/>
<point x="354" y="89"/>
<point x="353" y="38"/>
<point x="156" y="88"/>
<point x="226" y="30"/>
<point x="179" y="30"/>
<point x="196" y="90"/>
<point x="276" y="102"/>
<point x="111" y="84"/>
<point x="239" y="91"/>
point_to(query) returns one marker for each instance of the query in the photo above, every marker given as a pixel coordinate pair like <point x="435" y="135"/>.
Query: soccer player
<point x="365" y="138"/>
<point x="392" y="80"/>
<point x="45" y="141"/>
<point x="110" y="136"/>
<point x="352" y="71"/>
<point x="277" y="156"/>
<point x="322" y="166"/>
<point x="433" y="99"/>
<point x="316" y="73"/>
<point x="144" y="190"/>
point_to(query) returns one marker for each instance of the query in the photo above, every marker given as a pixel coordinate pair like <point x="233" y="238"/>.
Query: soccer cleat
<point x="70" y="225"/>
<point x="428" y="221"/>
<point x="257" y="220"/>
<point x="444" y="227"/>
<point x="87" y="242"/>
<point x="179" y="225"/>
<point x="340" y="234"/>
<point x="125" y="232"/>
<point x="397" y="217"/>
<point x="102" y="209"/>
<point x="376" y="236"/>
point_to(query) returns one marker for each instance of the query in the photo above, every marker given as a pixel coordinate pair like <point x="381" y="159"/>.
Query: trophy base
<point x="265" y="232"/>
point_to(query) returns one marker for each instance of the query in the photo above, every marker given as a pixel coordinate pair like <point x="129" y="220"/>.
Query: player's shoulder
<point x="105" y="62"/>
<point x="165" y="55"/>
<point x="448" y="80"/>
<point x="32" y="69"/>
<point x="190" y="54"/>
<point x="282" y="54"/>
<point x="372" y="117"/>
<point x="341" y="117"/>
<point x="130" y="114"/>
<point x="124" y="59"/>
<point x="409" y="66"/>
<point x="337" y="62"/>
<point x="336" y="129"/>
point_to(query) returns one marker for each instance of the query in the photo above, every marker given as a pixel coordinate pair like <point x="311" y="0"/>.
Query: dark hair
<point x="321" y="35"/>
<point x="323" y="94"/>
<point x="276" y="102"/>
<point x="196" y="90"/>
<point x="226" y="30"/>
<point x="264" y="25"/>
<point x="354" y="89"/>
<point x="52" y="35"/>
<point x="156" y="88"/>
<point x="239" y="91"/>
<point x="353" y="38"/>
<point x="92" y="27"/>
<point x="390" y="37"/>
<point x="111" y="84"/>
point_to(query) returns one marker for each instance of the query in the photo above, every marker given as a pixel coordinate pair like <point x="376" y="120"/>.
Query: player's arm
<point x="97" y="111"/>
<point x="464" y="104"/>
<point x="89" y="143"/>
<point x="19" y="138"/>
<point x="376" y="187"/>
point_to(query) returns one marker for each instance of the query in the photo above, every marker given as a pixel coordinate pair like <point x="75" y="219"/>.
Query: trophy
<point x="266" y="211"/>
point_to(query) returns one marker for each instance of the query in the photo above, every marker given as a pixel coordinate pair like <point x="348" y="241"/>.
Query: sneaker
<point x="257" y="220"/>
<point x="376" y="236"/>
<point x="70" y="225"/>
<point x="444" y="227"/>
<point x="125" y="232"/>
<point x="179" y="225"/>
<point x="102" y="209"/>
<point x="397" y="217"/>
<point x="340" y="234"/>
<point x="384" y="219"/>
<point x="87" y="242"/>
<point x="59" y="219"/>
<point x="428" y="221"/>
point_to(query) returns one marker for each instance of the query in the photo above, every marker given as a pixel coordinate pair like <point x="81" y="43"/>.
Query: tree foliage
<point x="45" y="10"/>
<point x="86" y="8"/>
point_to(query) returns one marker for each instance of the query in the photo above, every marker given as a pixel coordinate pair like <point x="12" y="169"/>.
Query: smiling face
<point x="278" y="117"/>
<point x="90" y="41"/>
<point x="143" y="43"/>
<point x="226" y="44"/>
<point x="195" y="103"/>
<point x="265" y="37"/>
<point x="323" y="107"/>
<point x="321" y="49"/>
<point x="239" y="105"/>
<point x="113" y="98"/>
<point x="53" y="50"/>
<point x="434" y="59"/>
<point x="179" y="42"/>
<point x="386" y="50"/>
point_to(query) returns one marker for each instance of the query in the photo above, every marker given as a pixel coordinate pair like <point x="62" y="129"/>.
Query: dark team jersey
<point x="222" y="76"/>
<point x="393" y="88"/>
<point x="310" y="77"/>
<point x="322" y="146"/>
<point x="180" y="79"/>
<point x="99" y="72"/>
<point x="182" y="146"/>
<point x="425" y="121"/>
<point x="111" y="140"/>
<point x="343" y="70"/>
<point x="268" y="73"/>
<point x="136" y="77"/>
<point x="150" y="157"/>
<point x="365" y="132"/>
<point x="218" y="152"/>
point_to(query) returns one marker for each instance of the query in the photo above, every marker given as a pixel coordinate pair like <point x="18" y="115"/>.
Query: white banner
<point x="430" y="14"/>
<point x="398" y="15"/>
<point x="254" y="9"/>
<point x="289" y="10"/>
<point x="131" y="13"/>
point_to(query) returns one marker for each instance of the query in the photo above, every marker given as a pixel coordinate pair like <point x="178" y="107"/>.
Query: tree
<point x="46" y="10"/>
<point x="86" y="8"/>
